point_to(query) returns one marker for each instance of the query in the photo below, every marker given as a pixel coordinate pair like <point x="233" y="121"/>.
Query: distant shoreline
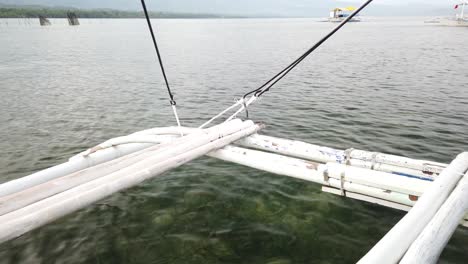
<point x="34" y="11"/>
<point x="8" y="11"/>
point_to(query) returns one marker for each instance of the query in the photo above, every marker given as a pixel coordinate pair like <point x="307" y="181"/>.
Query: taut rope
<point x="171" y="96"/>
<point x="255" y="94"/>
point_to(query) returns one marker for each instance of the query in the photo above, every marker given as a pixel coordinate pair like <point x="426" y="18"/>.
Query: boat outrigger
<point x="434" y="194"/>
<point x="339" y="14"/>
<point x="459" y="20"/>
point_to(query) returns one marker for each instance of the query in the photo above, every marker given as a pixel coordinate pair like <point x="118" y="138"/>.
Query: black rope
<point x="270" y="83"/>
<point x="171" y="96"/>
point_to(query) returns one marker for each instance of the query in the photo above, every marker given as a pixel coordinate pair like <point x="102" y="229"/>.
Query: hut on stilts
<point x="73" y="19"/>
<point x="44" y="21"/>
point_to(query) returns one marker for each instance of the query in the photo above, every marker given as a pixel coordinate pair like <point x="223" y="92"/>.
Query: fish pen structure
<point x="44" y="21"/>
<point x="72" y="19"/>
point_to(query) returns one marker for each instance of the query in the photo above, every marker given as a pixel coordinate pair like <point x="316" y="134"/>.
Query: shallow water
<point x="391" y="85"/>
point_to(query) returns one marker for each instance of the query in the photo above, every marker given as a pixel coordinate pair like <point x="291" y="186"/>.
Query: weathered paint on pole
<point x="430" y="243"/>
<point x="391" y="248"/>
<point x="21" y="221"/>
<point x="366" y="159"/>
<point x="377" y="179"/>
<point x="80" y="161"/>
<point x="304" y="170"/>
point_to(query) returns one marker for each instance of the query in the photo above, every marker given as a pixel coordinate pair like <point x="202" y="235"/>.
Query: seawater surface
<point x="390" y="85"/>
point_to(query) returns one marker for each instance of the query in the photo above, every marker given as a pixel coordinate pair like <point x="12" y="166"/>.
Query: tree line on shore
<point x="35" y="12"/>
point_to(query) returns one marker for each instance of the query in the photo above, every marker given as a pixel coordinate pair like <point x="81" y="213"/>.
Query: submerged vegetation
<point x="61" y="12"/>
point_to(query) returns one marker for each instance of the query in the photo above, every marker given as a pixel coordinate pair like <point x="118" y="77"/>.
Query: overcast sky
<point x="257" y="7"/>
<point x="406" y="2"/>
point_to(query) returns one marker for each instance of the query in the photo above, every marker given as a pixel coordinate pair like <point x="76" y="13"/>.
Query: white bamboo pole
<point x="402" y="171"/>
<point x="20" y="199"/>
<point x="386" y="195"/>
<point x="430" y="243"/>
<point x="77" y="163"/>
<point x="153" y="136"/>
<point x="21" y="221"/>
<point x="137" y="139"/>
<point x="68" y="167"/>
<point x="374" y="177"/>
<point x="393" y="245"/>
<point x="420" y="165"/>
<point x="462" y="14"/>
<point x="157" y="153"/>
<point x="378" y="161"/>
<point x="365" y="159"/>
<point x="377" y="179"/>
<point x="293" y="148"/>
<point x="269" y="162"/>
<point x="301" y="169"/>
<point x="41" y="191"/>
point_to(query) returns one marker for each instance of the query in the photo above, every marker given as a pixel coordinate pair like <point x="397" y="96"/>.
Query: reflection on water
<point x="396" y="86"/>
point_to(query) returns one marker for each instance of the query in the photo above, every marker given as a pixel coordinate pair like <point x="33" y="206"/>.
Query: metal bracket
<point x="342" y="181"/>
<point x="348" y="156"/>
<point x="374" y="160"/>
